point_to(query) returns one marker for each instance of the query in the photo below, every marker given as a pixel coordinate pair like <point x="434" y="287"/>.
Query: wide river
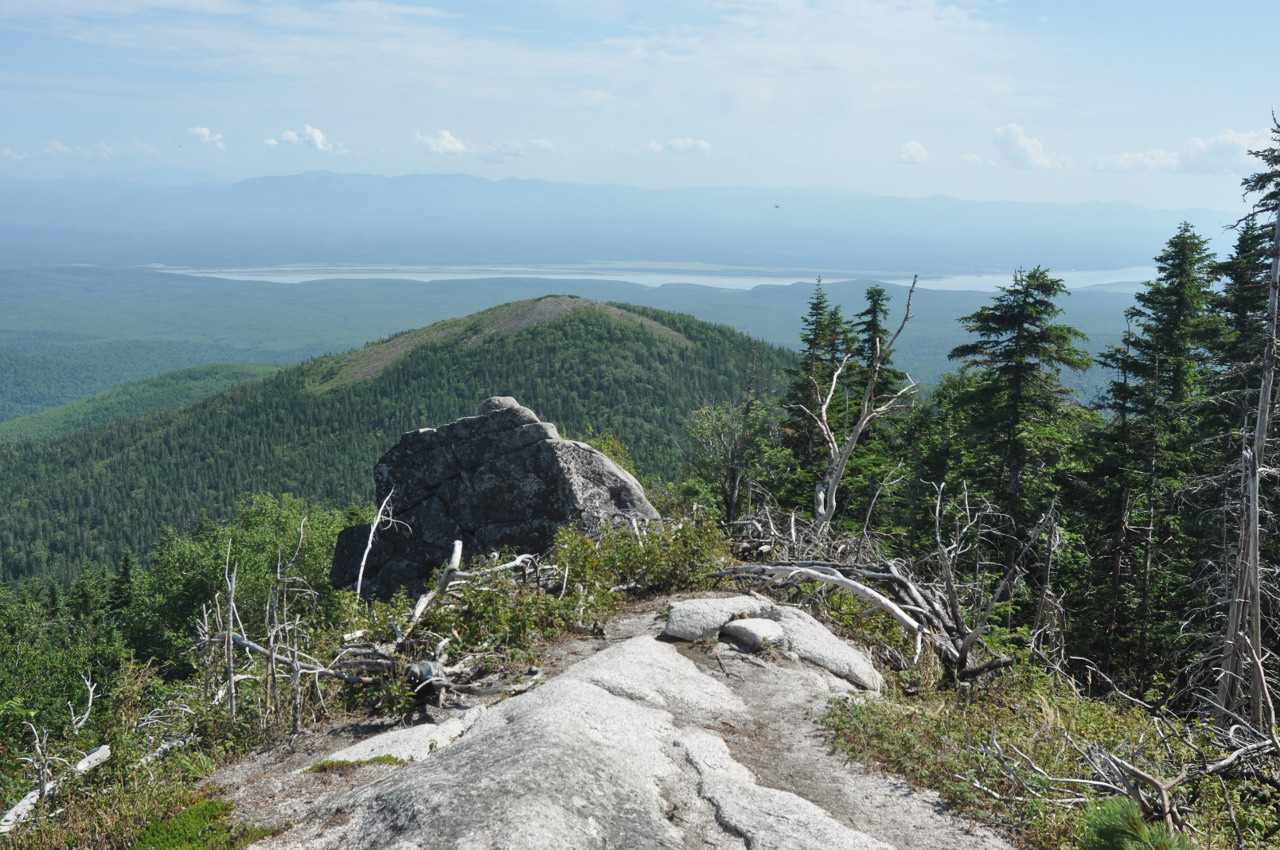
<point x="982" y="282"/>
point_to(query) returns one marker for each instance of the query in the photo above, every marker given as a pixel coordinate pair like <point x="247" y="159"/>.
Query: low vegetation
<point x="197" y="708"/>
<point x="341" y="766"/>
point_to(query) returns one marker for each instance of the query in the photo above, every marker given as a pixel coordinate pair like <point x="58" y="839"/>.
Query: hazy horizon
<point x="981" y="100"/>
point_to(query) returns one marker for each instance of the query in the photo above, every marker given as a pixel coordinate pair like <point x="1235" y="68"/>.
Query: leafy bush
<point x="597" y="572"/>
<point x="270" y="534"/>
<point x="201" y="826"/>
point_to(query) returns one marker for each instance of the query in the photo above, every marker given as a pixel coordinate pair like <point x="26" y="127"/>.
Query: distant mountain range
<point x="450" y="219"/>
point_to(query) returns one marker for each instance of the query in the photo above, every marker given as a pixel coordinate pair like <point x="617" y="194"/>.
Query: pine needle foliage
<point x="1117" y="824"/>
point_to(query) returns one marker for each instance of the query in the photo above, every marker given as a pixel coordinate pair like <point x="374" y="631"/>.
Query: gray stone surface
<point x="501" y="479"/>
<point x="735" y="617"/>
<point x="412" y="744"/>
<point x="601" y="757"/>
<point x="810" y="640"/>
<point x="756" y="633"/>
<point x="702" y="619"/>
<point x="642" y="744"/>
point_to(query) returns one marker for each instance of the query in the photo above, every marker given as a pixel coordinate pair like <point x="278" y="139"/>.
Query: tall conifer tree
<point x="1019" y="408"/>
<point x="1156" y="441"/>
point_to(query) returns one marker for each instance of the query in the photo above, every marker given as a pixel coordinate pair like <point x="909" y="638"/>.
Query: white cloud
<point x="309" y="136"/>
<point x="683" y="144"/>
<point x="688" y="145"/>
<point x="1021" y="151"/>
<point x="508" y="151"/>
<point x="12" y="154"/>
<point x="101" y="150"/>
<point x="913" y="152"/>
<point x="1152" y="160"/>
<point x="442" y="142"/>
<point x="1225" y="152"/>
<point x="317" y="138"/>
<point x="446" y="143"/>
<point x="206" y="136"/>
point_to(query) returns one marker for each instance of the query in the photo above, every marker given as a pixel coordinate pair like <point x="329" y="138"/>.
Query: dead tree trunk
<point x="839" y="447"/>
<point x="1244" y="610"/>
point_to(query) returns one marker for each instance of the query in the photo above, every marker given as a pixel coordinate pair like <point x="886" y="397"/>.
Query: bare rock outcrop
<point x="646" y="743"/>
<point x="502" y="479"/>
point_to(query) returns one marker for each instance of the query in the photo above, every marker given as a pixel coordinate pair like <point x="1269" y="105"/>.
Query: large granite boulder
<point x="501" y="479"/>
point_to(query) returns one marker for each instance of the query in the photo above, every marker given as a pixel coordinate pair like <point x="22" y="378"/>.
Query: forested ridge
<point x="66" y="333"/>
<point x="172" y="389"/>
<point x="316" y="431"/>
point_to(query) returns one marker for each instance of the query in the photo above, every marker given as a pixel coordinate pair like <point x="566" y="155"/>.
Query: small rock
<point x="756" y="633"/>
<point x="702" y="619"/>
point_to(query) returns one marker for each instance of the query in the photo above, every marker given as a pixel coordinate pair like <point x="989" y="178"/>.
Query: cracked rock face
<point x="501" y="479"/>
<point x="648" y="743"/>
<point x="613" y="753"/>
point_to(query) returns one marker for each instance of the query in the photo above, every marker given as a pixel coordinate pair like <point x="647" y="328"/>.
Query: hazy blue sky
<point x="1054" y="100"/>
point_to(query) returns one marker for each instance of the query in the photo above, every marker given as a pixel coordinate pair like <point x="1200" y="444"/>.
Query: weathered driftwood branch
<point x="830" y="574"/>
<point x="383" y="517"/>
<point x="293" y="664"/>
<point x="928" y="616"/>
<point x="43" y="762"/>
<point x="1240" y="751"/>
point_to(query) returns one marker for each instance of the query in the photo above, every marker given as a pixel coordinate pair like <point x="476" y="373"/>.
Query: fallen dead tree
<point x="1240" y="753"/>
<point x="418" y="658"/>
<point x="941" y="613"/>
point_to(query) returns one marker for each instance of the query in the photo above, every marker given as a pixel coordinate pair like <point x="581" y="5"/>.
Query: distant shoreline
<point x="710" y="277"/>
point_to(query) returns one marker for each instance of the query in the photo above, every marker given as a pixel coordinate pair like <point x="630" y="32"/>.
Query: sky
<point x="1152" y="103"/>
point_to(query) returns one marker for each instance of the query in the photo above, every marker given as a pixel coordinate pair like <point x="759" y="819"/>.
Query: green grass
<point x="943" y="739"/>
<point x="205" y="825"/>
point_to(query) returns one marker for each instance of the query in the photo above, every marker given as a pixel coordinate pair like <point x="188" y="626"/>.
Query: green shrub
<point x="190" y="572"/>
<point x="1117" y="824"/>
<point x="596" y="573"/>
<point x="202" y="826"/>
<point x="342" y="766"/>
<point x="943" y="739"/>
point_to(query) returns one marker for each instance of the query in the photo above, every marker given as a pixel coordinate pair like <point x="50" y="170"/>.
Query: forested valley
<point x="1113" y="560"/>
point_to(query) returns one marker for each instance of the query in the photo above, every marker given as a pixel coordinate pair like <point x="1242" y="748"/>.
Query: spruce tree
<point x="824" y="341"/>
<point x="1155" y="448"/>
<point x="1017" y="406"/>
<point x="1243" y="303"/>
<point x="831" y="342"/>
<point x="869" y="336"/>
